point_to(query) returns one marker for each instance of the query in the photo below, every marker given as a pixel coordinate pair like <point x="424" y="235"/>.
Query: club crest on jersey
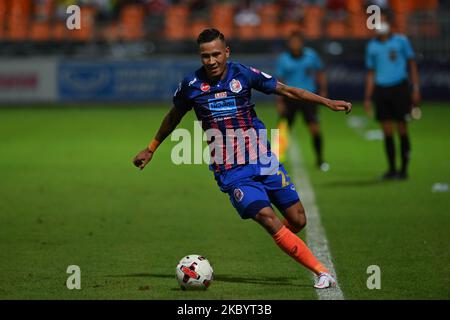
<point x="235" y="86"/>
<point x="204" y="87"/>
<point x="219" y="95"/>
<point x="238" y="194"/>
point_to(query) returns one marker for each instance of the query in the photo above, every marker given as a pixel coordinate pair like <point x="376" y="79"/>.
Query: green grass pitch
<point x="69" y="195"/>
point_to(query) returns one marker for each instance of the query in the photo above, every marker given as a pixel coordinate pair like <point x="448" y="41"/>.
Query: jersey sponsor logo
<point x="238" y="194"/>
<point x="268" y="76"/>
<point x="205" y="87"/>
<point x="219" y="95"/>
<point x="235" y="86"/>
<point x="222" y="108"/>
<point x="192" y="82"/>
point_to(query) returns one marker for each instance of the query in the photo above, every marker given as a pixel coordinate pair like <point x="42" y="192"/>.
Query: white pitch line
<point x="315" y="233"/>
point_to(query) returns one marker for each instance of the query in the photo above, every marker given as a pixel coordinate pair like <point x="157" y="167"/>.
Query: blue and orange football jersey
<point x="226" y="104"/>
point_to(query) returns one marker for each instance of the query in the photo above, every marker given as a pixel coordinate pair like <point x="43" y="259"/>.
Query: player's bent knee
<point x="269" y="220"/>
<point x="299" y="222"/>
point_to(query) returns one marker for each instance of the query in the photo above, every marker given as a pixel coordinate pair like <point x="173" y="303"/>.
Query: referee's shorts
<point x="308" y="110"/>
<point x="393" y="103"/>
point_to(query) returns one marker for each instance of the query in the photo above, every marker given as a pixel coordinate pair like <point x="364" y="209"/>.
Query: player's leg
<point x="294" y="217"/>
<point x="402" y="109"/>
<point x="405" y="149"/>
<point x="285" y="122"/>
<point x="311" y="117"/>
<point x="288" y="241"/>
<point x="389" y="147"/>
<point x="251" y="200"/>
<point x="383" y="108"/>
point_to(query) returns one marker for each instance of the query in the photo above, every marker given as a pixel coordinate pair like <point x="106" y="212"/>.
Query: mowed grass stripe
<point x="315" y="233"/>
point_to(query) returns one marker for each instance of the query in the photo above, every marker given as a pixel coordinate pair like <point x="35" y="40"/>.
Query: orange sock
<point x="297" y="249"/>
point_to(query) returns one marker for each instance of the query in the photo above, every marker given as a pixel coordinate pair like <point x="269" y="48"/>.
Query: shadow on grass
<point x="270" y="281"/>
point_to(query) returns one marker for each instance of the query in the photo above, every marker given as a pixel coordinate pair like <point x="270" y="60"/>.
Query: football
<point x="194" y="272"/>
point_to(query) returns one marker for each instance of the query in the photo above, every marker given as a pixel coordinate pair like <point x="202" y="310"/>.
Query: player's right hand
<point x="142" y="158"/>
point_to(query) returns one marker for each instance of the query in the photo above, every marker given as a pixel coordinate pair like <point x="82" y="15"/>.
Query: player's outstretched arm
<point x="301" y="94"/>
<point x="169" y="123"/>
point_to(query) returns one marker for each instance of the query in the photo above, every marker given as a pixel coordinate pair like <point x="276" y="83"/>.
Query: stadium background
<point x="76" y="105"/>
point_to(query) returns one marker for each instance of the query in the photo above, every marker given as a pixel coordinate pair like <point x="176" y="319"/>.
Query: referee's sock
<point x="405" y="149"/>
<point x="317" y="142"/>
<point x="390" y="151"/>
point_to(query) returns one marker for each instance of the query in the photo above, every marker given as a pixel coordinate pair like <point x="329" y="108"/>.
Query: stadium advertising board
<point x="135" y="81"/>
<point x="28" y="80"/>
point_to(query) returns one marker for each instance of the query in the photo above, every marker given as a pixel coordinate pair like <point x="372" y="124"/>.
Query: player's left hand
<point x="338" y="105"/>
<point x="142" y="158"/>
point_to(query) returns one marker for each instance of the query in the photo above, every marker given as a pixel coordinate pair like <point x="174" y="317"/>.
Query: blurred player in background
<point x="388" y="58"/>
<point x="300" y="67"/>
<point x="219" y="92"/>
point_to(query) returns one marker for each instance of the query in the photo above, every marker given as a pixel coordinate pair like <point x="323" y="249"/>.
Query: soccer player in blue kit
<point x="220" y="92"/>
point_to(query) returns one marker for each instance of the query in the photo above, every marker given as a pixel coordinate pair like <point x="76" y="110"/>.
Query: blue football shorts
<point x="250" y="191"/>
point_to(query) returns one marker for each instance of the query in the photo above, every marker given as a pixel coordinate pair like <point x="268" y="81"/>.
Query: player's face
<point x="214" y="57"/>
<point x="295" y="45"/>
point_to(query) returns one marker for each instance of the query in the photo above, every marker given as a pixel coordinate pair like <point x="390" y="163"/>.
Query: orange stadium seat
<point x="3" y="8"/>
<point x="110" y="32"/>
<point x="269" y="31"/>
<point x="18" y="20"/>
<point x="196" y="27"/>
<point x="312" y="23"/>
<point x="247" y="32"/>
<point x="286" y="28"/>
<point x="59" y="31"/>
<point x="355" y="6"/>
<point x="269" y="14"/>
<point x="358" y="26"/>
<point x="222" y="18"/>
<point x="40" y="31"/>
<point x="424" y="5"/>
<point x="132" y="22"/>
<point x="86" y="32"/>
<point x="43" y="10"/>
<point x="400" y="6"/>
<point x="336" y="30"/>
<point x="176" y="22"/>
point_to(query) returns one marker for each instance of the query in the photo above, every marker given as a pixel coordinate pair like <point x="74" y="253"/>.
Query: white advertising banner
<point x="28" y="80"/>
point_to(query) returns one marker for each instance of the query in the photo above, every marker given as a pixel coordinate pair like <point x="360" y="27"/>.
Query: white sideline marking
<point x="315" y="233"/>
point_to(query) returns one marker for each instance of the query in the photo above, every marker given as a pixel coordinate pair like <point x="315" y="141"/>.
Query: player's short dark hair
<point x="296" y="35"/>
<point x="209" y="35"/>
